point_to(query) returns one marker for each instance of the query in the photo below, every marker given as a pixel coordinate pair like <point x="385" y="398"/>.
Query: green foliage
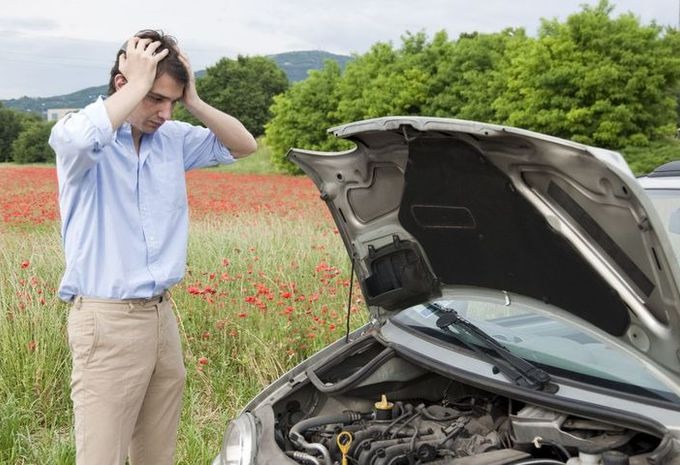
<point x="594" y="79"/>
<point x="259" y="162"/>
<point x="385" y="81"/>
<point x="470" y="75"/>
<point x="643" y="159"/>
<point x="243" y="87"/>
<point x="12" y="122"/>
<point x="10" y="127"/>
<point x="301" y="116"/>
<point x="31" y="145"/>
<point x="411" y="80"/>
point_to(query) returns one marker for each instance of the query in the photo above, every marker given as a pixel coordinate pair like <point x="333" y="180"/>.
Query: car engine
<point x="391" y="412"/>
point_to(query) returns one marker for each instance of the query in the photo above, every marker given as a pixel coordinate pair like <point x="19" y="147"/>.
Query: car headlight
<point x="238" y="447"/>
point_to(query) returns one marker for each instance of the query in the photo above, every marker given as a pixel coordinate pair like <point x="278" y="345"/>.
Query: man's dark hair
<point x="171" y="64"/>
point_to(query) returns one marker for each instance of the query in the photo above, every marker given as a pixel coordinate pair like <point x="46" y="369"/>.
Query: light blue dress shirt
<point x="125" y="219"/>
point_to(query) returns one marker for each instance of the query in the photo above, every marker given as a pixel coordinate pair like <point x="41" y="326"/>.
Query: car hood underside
<point x="423" y="202"/>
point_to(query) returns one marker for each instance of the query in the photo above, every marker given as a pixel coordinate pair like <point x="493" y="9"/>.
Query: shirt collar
<point x="123" y="132"/>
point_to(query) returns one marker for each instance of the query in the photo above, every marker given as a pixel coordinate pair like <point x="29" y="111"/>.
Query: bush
<point x="12" y="122"/>
<point x="643" y="160"/>
<point x="243" y="87"/>
<point x="31" y="145"/>
<point x="302" y="115"/>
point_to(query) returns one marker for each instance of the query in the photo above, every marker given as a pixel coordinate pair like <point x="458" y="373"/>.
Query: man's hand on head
<point x="190" y="98"/>
<point x="138" y="63"/>
<point x="137" y="75"/>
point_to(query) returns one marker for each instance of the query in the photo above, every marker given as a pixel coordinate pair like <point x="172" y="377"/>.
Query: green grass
<point x="300" y="265"/>
<point x="256" y="163"/>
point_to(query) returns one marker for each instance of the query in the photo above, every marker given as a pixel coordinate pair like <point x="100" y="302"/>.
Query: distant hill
<point x="296" y="65"/>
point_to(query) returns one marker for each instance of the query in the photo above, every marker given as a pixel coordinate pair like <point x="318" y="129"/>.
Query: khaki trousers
<point x="127" y="380"/>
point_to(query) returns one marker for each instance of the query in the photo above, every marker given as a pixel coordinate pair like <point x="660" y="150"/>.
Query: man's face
<point x="156" y="107"/>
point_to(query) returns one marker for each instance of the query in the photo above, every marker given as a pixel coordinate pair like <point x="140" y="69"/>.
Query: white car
<point x="663" y="187"/>
<point x="524" y="300"/>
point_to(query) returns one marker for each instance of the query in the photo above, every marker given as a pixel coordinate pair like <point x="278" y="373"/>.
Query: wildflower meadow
<point x="267" y="285"/>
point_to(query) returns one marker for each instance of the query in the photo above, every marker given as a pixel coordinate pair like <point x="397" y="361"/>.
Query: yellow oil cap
<point x="383" y="409"/>
<point x="384" y="404"/>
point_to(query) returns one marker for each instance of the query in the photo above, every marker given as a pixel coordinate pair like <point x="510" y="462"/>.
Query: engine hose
<point x="539" y="462"/>
<point x="406" y="411"/>
<point x="297" y="437"/>
<point x="356" y="377"/>
<point x="406" y="423"/>
<point x="302" y="457"/>
<point x="317" y="448"/>
<point x="565" y="453"/>
<point x="344" y="417"/>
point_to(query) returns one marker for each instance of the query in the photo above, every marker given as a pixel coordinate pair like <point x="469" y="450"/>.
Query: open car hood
<point x="423" y="203"/>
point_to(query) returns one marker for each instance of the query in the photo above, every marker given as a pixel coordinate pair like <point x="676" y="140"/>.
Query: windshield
<point x="667" y="204"/>
<point x="557" y="346"/>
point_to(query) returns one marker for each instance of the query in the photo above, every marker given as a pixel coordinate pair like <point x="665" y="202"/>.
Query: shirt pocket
<point x="170" y="184"/>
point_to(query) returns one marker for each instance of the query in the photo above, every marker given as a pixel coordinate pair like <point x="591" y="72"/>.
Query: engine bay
<point x="373" y="407"/>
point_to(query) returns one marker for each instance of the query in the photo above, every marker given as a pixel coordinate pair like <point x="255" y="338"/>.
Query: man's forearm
<point x="230" y="131"/>
<point x="122" y="102"/>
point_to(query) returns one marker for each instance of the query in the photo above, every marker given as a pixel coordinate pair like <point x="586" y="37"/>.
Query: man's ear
<point x="119" y="81"/>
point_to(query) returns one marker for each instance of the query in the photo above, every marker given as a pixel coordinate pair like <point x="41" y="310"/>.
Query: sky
<point x="52" y="47"/>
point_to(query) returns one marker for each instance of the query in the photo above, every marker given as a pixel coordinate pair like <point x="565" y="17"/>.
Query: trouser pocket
<point x="82" y="334"/>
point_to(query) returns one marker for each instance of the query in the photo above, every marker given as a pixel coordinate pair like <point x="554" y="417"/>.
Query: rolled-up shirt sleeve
<point x="202" y="148"/>
<point x="77" y="140"/>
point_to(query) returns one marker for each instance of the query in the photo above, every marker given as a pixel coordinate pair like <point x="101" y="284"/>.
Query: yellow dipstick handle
<point x="344" y="440"/>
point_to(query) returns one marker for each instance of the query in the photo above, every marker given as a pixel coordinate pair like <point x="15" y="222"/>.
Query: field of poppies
<point x="267" y="284"/>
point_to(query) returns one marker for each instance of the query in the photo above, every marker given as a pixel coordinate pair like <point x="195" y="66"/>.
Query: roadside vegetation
<point x="594" y="78"/>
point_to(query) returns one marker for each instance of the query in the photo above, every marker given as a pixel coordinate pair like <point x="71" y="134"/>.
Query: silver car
<point x="663" y="187"/>
<point x="524" y="300"/>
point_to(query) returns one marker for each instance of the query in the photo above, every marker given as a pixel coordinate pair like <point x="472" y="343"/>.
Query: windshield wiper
<point x="515" y="368"/>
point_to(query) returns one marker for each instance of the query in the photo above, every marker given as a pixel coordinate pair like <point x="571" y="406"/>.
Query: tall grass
<point x="261" y="294"/>
<point x="257" y="163"/>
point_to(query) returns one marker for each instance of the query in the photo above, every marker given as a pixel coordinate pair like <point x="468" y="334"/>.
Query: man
<point x="122" y="195"/>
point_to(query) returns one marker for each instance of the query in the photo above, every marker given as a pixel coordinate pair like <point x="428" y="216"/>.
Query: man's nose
<point x="165" y="111"/>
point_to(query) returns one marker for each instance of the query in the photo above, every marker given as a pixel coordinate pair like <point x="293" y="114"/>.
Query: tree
<point x="382" y="82"/>
<point x="244" y="87"/>
<point x="31" y="145"/>
<point x="594" y="79"/>
<point x="385" y="81"/>
<point x="301" y="116"/>
<point x="470" y="76"/>
<point x="11" y="125"/>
